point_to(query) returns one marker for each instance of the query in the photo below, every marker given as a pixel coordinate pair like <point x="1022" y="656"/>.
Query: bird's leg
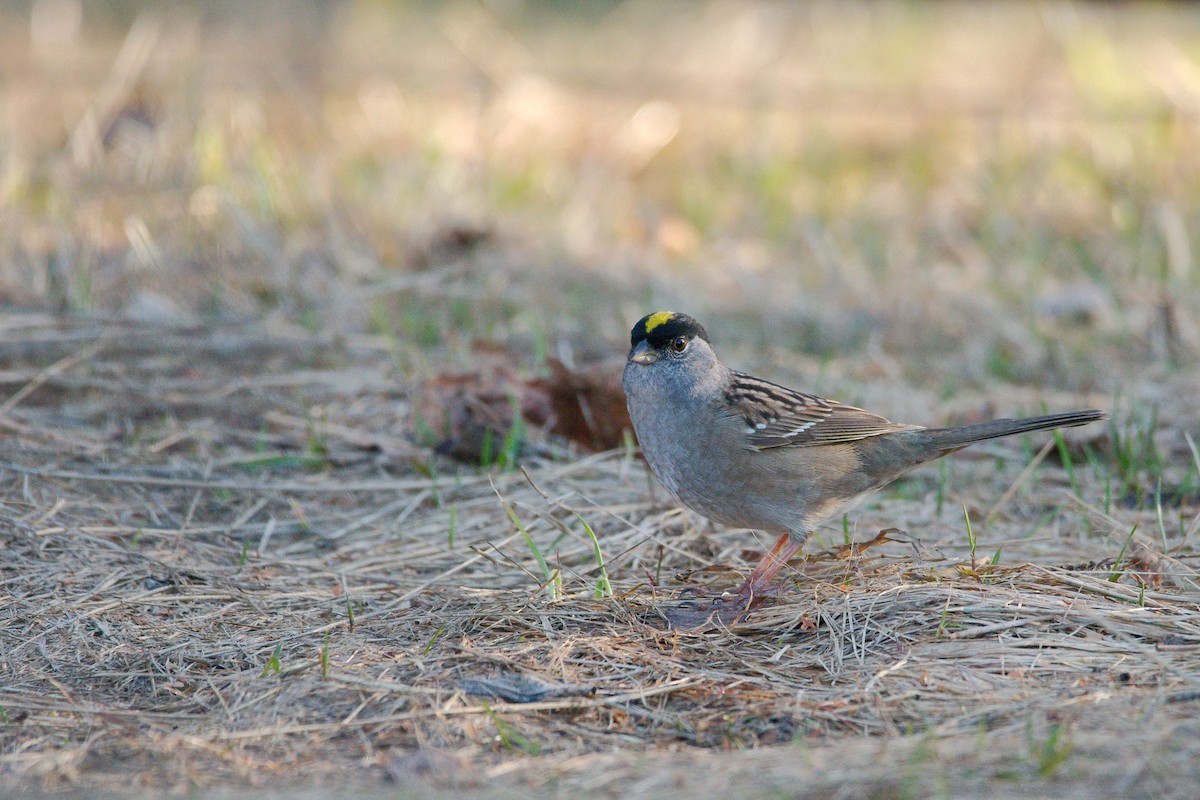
<point x="728" y="610"/>
<point x="775" y="559"/>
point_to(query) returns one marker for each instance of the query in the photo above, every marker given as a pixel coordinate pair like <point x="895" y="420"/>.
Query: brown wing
<point x="776" y="416"/>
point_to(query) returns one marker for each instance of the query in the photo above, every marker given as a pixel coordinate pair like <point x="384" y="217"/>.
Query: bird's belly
<point x="705" y="478"/>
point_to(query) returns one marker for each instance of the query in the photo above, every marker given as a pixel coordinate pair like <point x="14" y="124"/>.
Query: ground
<point x="276" y="280"/>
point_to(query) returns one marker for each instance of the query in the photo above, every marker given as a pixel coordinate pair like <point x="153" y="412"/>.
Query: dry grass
<point x="238" y="620"/>
<point x="230" y="567"/>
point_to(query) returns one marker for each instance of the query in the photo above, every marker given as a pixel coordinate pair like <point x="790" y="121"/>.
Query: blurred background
<point x="951" y="195"/>
<point x="265" y="265"/>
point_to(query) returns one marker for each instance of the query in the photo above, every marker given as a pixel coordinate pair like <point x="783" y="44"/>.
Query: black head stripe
<point x="661" y="327"/>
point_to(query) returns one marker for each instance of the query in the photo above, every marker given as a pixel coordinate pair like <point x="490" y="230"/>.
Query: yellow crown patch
<point x="660" y="318"/>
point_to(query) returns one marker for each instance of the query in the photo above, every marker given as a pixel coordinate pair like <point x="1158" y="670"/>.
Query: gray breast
<point x="695" y="454"/>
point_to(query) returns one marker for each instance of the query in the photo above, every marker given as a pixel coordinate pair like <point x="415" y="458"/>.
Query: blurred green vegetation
<point x="983" y="192"/>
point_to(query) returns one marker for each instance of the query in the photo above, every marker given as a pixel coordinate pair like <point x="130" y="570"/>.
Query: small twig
<point x="990" y="516"/>
<point x="983" y="630"/>
<point x="131" y="60"/>
<point x="49" y="372"/>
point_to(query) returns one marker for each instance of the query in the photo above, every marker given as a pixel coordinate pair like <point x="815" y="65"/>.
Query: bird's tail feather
<point x="954" y="438"/>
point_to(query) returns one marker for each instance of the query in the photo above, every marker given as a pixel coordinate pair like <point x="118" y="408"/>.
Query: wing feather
<point x="776" y="416"/>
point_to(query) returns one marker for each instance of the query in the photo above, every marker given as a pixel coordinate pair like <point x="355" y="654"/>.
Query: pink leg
<point x="727" y="611"/>
<point x="772" y="561"/>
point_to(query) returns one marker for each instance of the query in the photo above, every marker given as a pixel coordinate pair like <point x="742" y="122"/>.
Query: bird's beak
<point x="642" y="354"/>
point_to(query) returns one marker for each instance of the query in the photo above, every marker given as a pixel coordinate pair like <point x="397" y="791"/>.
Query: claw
<point x="730" y="609"/>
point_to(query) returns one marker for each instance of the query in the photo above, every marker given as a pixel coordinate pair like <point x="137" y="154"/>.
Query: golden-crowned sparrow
<point x="752" y="454"/>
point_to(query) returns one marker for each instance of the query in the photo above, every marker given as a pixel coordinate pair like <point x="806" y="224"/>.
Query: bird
<point x="749" y="453"/>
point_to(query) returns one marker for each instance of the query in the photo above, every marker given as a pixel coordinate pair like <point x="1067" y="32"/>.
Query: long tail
<point x="954" y="438"/>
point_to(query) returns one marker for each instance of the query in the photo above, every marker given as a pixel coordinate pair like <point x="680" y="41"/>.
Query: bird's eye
<point x="680" y="344"/>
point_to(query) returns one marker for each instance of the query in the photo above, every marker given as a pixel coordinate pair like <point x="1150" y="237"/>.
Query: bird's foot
<point x="755" y="592"/>
<point x="700" y="615"/>
<point x="726" y="609"/>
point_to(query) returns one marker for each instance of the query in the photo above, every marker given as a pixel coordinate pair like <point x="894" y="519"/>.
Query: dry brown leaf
<point x="472" y="414"/>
